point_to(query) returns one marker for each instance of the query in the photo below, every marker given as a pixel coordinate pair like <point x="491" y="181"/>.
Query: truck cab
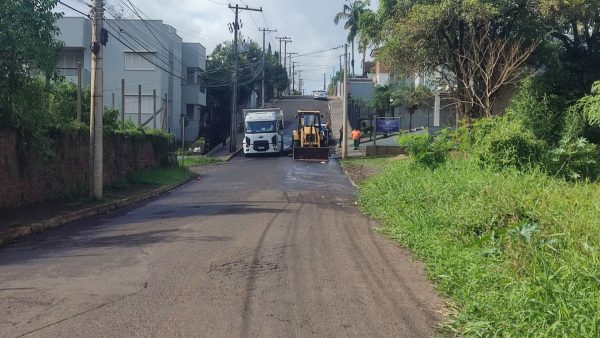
<point x="263" y="129"/>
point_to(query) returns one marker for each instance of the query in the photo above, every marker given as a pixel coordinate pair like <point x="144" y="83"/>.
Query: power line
<point x="74" y="9"/>
<point x="319" y="51"/>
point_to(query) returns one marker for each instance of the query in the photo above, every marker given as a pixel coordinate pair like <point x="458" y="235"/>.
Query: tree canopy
<point x="219" y="71"/>
<point x="480" y="48"/>
<point x="29" y="50"/>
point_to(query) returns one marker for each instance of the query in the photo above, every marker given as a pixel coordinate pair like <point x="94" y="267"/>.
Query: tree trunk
<point x="352" y="62"/>
<point x="364" y="71"/>
<point x="410" y="115"/>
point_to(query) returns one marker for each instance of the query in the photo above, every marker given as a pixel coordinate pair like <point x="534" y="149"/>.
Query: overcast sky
<point x="308" y="22"/>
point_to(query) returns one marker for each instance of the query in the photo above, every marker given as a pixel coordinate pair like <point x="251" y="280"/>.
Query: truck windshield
<point x="260" y="127"/>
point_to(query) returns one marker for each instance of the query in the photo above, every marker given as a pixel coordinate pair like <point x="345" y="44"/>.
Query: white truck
<point x="263" y="130"/>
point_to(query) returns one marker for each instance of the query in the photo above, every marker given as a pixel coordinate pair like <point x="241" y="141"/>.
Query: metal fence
<point x="361" y="115"/>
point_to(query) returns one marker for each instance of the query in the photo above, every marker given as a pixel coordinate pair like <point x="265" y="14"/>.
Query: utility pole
<point x="97" y="105"/>
<point x="345" y="108"/>
<point x="289" y="69"/>
<point x="281" y="38"/>
<point x="324" y="81"/>
<point x="236" y="26"/>
<point x="285" y="42"/>
<point x="299" y="81"/>
<point x="294" y="76"/>
<point x="262" y="93"/>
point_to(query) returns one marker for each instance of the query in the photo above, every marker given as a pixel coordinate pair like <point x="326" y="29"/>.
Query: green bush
<point x="583" y="118"/>
<point x="575" y="159"/>
<point x="482" y="128"/>
<point x="506" y="143"/>
<point x="425" y="149"/>
<point x="541" y="113"/>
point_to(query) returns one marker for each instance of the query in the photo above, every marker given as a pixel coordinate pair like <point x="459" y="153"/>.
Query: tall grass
<point x="517" y="253"/>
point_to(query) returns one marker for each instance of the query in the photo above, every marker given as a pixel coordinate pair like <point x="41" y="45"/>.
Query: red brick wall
<point x="27" y="177"/>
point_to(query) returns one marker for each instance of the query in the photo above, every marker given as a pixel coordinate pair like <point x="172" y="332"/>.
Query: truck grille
<point x="260" y="145"/>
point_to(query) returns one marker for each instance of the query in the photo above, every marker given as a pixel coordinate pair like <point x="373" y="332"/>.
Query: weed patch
<point x="518" y="253"/>
<point x="158" y="176"/>
<point x="189" y="161"/>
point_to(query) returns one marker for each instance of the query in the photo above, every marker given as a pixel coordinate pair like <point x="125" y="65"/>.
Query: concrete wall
<point x="27" y="178"/>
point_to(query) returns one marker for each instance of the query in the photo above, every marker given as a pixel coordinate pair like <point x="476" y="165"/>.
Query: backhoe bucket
<point x="306" y="153"/>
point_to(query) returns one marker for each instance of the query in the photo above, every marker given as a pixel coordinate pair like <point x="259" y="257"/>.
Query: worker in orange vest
<point x="356" y="135"/>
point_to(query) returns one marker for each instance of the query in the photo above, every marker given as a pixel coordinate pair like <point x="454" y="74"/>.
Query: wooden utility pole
<point x="281" y="39"/>
<point x="345" y="108"/>
<point x="262" y="93"/>
<point x="236" y="27"/>
<point x="289" y="68"/>
<point x="285" y="42"/>
<point x="97" y="105"/>
<point x="294" y="76"/>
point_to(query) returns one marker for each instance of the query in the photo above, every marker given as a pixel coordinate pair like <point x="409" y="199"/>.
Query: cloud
<point x="308" y="22"/>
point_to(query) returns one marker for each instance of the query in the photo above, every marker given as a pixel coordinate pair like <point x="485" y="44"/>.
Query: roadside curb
<point x="233" y="154"/>
<point x="349" y="177"/>
<point x="21" y="231"/>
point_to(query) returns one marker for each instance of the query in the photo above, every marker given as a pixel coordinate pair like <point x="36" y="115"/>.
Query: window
<point x="69" y="60"/>
<point x="139" y="61"/>
<point x="200" y="82"/>
<point x="191" y="75"/>
<point x="68" y="63"/>
<point x="194" y="77"/>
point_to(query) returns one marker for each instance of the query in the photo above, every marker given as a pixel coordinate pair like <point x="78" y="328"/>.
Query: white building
<point x="146" y="53"/>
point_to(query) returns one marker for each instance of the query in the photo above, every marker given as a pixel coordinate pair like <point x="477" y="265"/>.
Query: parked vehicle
<point x="263" y="129"/>
<point x="320" y="95"/>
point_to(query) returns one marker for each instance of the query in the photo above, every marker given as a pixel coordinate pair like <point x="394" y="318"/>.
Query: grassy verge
<point x="159" y="176"/>
<point x="189" y="161"/>
<point x="517" y="254"/>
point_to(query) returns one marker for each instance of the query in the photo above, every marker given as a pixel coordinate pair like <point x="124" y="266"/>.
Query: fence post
<point x="154" y="108"/>
<point x="139" y="105"/>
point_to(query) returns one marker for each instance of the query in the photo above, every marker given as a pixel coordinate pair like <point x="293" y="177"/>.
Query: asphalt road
<point x="257" y="247"/>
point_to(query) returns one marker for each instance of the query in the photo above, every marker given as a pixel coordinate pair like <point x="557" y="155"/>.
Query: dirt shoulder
<point x="361" y="169"/>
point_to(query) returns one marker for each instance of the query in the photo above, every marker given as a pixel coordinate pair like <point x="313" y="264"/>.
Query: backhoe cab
<point x="309" y="140"/>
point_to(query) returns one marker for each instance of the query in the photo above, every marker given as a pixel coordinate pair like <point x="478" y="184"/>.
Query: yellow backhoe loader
<point x="309" y="143"/>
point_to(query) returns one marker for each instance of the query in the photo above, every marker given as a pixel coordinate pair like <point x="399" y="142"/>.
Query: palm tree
<point x="411" y="97"/>
<point x="352" y="12"/>
<point x="368" y="30"/>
